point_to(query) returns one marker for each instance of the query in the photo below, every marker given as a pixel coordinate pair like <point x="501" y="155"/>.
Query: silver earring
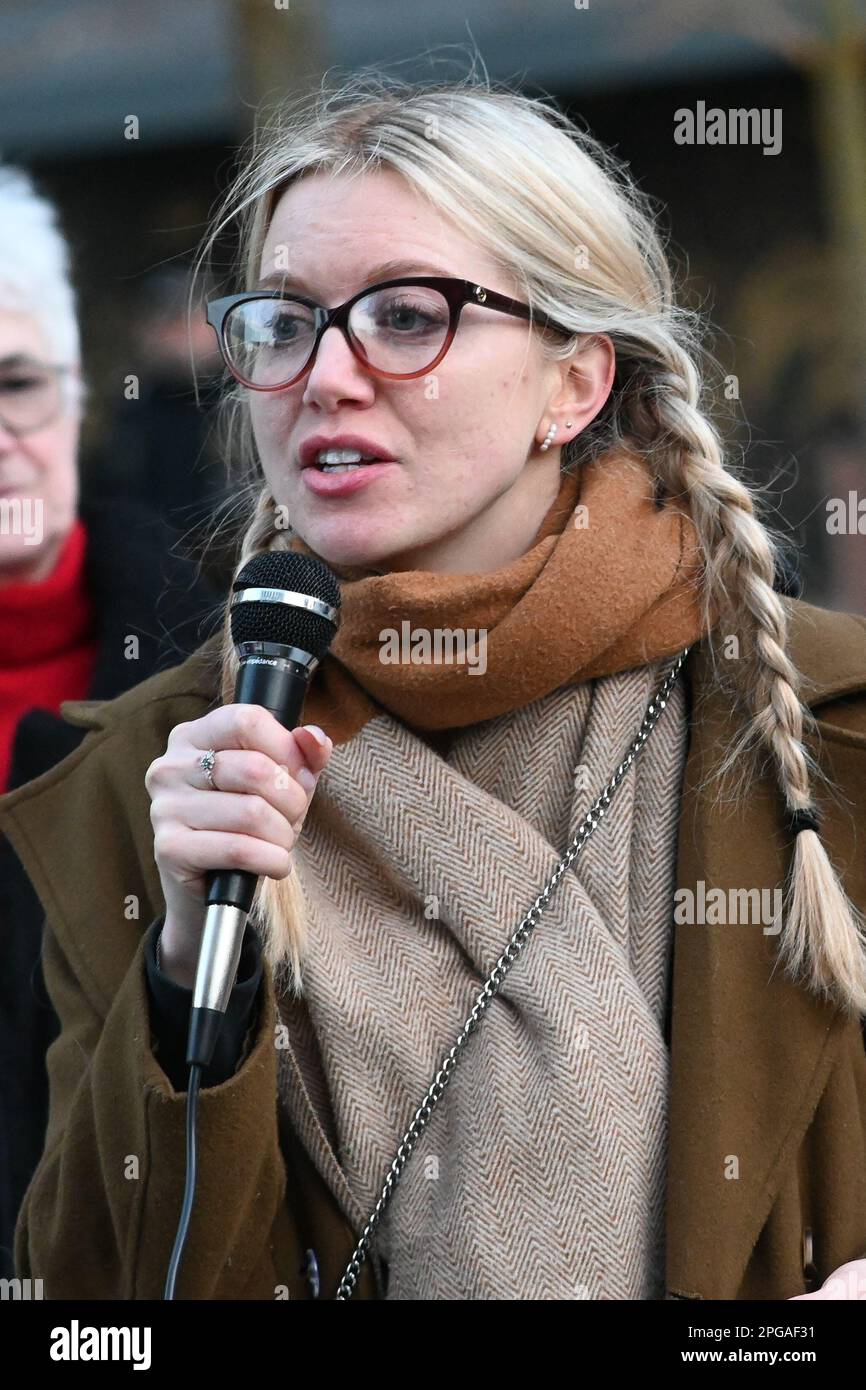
<point x="548" y="438"/>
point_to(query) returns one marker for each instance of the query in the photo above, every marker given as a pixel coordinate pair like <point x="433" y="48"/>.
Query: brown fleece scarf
<point x="609" y="583"/>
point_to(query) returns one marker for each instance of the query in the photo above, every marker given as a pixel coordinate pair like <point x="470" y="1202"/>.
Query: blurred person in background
<point x="158" y="435"/>
<point x="91" y="603"/>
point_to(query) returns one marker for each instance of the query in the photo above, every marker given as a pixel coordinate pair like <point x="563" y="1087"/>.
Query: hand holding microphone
<point x="284" y="614"/>
<point x="265" y="777"/>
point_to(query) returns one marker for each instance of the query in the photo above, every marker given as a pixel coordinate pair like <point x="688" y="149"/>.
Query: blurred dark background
<point x="773" y="245"/>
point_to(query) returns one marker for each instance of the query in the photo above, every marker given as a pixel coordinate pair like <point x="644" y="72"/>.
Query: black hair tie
<point x="803" y="820"/>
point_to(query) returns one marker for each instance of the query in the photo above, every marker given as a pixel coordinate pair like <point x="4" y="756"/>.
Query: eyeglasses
<point x="30" y="395"/>
<point x="397" y="329"/>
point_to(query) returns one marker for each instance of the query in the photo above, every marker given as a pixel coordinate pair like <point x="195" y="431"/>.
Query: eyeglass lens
<point x="29" y="397"/>
<point x="400" y="329"/>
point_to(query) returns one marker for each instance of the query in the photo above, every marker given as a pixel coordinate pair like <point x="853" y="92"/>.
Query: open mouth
<point x="344" y="467"/>
<point x="344" y="461"/>
<point x="345" y="479"/>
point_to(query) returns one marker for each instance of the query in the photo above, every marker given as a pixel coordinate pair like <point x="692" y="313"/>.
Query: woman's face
<point x="469" y="488"/>
<point x="38" y="469"/>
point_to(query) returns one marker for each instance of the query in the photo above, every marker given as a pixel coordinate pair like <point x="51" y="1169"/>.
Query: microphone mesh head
<point x="258" y="621"/>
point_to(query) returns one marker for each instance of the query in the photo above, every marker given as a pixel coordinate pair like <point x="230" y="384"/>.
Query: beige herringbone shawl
<point x="541" y="1174"/>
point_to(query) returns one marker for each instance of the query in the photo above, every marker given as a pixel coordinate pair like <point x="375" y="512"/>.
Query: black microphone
<point x="284" y="615"/>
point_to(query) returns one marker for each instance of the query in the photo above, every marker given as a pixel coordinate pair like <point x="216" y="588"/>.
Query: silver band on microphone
<point x="291" y="598"/>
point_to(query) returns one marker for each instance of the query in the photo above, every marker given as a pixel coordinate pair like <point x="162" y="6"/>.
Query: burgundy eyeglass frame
<point x="455" y="291"/>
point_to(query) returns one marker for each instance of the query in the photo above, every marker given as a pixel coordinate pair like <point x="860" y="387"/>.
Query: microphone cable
<point x="189" y="1185"/>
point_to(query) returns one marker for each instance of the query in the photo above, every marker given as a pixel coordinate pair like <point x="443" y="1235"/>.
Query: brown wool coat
<point x="760" y="1070"/>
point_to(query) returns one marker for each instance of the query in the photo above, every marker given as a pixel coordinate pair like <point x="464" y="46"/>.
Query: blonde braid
<point x="823" y="941"/>
<point x="278" y="909"/>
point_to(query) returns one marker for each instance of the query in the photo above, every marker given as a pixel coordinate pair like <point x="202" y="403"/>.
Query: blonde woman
<point x="659" y="1078"/>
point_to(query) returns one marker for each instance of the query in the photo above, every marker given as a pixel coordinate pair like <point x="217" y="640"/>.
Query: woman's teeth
<point x="341" y="460"/>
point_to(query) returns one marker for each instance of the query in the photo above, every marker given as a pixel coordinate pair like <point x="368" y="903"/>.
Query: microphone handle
<point x="280" y="685"/>
<point x="281" y="689"/>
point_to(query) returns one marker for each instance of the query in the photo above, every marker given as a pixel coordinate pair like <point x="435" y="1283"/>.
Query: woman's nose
<point x="336" y="372"/>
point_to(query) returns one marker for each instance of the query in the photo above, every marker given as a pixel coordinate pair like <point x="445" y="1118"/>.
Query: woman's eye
<point x="409" y="316"/>
<point x="283" y="325"/>
<point x="19" y="383"/>
<point x="286" y="329"/>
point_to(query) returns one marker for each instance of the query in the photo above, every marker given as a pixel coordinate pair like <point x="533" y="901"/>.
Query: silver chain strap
<point x="494" y="981"/>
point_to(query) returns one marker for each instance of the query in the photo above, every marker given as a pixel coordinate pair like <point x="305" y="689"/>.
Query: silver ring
<point x="206" y="763"/>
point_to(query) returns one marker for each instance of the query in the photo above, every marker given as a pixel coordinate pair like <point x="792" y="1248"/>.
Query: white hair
<point x="35" y="265"/>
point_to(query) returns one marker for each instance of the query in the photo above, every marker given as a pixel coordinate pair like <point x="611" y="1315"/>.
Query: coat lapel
<point x="750" y="1055"/>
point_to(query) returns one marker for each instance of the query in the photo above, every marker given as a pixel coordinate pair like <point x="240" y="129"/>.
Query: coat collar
<point x="749" y="1058"/>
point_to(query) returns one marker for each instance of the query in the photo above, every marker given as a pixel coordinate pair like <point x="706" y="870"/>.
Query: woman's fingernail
<point x="318" y="734"/>
<point x="306" y="779"/>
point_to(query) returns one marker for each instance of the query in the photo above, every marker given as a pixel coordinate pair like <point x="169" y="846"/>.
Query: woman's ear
<point x="587" y="378"/>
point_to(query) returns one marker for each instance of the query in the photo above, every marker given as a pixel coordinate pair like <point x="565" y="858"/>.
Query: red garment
<point x="48" y="642"/>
